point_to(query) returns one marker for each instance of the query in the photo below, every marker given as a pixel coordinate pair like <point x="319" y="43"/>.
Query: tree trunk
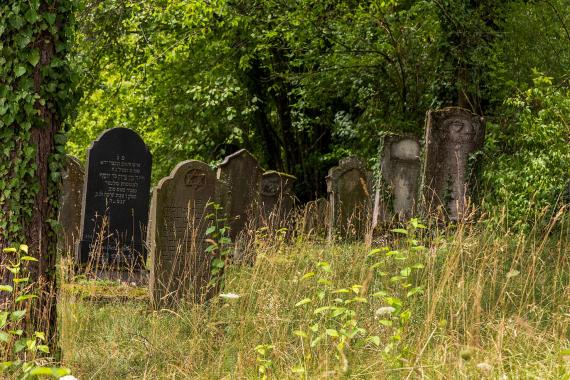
<point x="36" y="86"/>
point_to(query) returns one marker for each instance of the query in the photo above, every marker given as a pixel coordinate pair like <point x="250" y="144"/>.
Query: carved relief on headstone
<point x="316" y="217"/>
<point x="241" y="175"/>
<point x="277" y="199"/>
<point x="180" y="264"/>
<point x="70" y="209"/>
<point x="115" y="200"/>
<point x="349" y="190"/>
<point x="452" y="135"/>
<point x="401" y="171"/>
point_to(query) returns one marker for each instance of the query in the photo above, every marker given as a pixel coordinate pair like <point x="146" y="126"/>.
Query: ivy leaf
<point x="50" y="18"/>
<point x="34" y="57"/>
<point x="19" y="71"/>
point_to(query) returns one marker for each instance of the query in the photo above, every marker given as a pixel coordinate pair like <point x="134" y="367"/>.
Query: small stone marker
<point x="70" y="210"/>
<point x="349" y="192"/>
<point x="180" y="265"/>
<point x="316" y="217"/>
<point x="453" y="134"/>
<point x="241" y="174"/>
<point x="115" y="200"/>
<point x="401" y="171"/>
<point x="277" y="199"/>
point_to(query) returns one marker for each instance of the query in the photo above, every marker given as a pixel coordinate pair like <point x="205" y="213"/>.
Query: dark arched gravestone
<point x="453" y="134"/>
<point x="115" y="200"/>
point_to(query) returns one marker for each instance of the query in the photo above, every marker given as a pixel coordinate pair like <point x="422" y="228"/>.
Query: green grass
<point x="492" y="304"/>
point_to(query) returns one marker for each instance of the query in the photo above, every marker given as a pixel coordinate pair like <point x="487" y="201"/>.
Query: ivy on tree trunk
<point x="35" y="96"/>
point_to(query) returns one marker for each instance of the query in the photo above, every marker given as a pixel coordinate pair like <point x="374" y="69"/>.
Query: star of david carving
<point x="195" y="179"/>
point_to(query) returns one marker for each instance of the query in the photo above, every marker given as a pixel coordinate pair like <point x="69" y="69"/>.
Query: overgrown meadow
<point x="474" y="300"/>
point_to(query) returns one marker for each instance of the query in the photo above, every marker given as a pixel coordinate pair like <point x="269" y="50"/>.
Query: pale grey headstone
<point x="180" y="264"/>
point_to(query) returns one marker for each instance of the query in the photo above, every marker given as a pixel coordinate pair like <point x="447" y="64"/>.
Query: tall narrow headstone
<point x="349" y="191"/>
<point x="401" y="173"/>
<point x="70" y="210"/>
<point x="241" y="174"/>
<point x="181" y="205"/>
<point x="277" y="199"/>
<point x="115" y="200"/>
<point x="452" y="135"/>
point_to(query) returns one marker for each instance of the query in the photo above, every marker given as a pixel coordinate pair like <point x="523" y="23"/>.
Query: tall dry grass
<point x="495" y="304"/>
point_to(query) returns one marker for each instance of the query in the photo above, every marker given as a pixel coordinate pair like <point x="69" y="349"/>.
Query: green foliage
<point x="219" y="245"/>
<point x="24" y="353"/>
<point x="531" y="155"/>
<point x="28" y="27"/>
<point x="302" y="84"/>
<point x="337" y="312"/>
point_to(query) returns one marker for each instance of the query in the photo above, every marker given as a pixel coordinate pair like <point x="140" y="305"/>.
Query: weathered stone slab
<point x="241" y="174"/>
<point x="70" y="207"/>
<point x="401" y="173"/>
<point x="349" y="190"/>
<point x="115" y="200"/>
<point x="316" y="217"/>
<point x="452" y="135"/>
<point x="180" y="264"/>
<point x="277" y="199"/>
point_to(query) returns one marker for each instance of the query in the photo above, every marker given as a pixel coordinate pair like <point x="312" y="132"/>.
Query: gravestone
<point x="277" y="199"/>
<point x="241" y="174"/>
<point x="70" y="210"/>
<point x="453" y="135"/>
<point x="316" y="217"/>
<point x="401" y="172"/>
<point x="348" y="187"/>
<point x="115" y="200"/>
<point x="180" y="265"/>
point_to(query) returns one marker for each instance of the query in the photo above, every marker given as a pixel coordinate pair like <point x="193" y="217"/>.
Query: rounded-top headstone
<point x="180" y="265"/>
<point x="453" y="134"/>
<point x="241" y="173"/>
<point x="116" y="199"/>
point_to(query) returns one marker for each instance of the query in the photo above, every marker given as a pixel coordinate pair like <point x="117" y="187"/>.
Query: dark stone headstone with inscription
<point x="349" y="190"/>
<point x="242" y="175"/>
<point x="401" y="172"/>
<point x="70" y="210"/>
<point x="277" y="199"/>
<point x="180" y="265"/>
<point x="116" y="200"/>
<point x="453" y="134"/>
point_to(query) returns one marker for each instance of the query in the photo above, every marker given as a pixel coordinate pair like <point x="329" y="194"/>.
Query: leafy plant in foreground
<point x="337" y="311"/>
<point x="23" y="356"/>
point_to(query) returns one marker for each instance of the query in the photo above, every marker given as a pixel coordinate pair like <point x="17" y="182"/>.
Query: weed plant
<point x="474" y="300"/>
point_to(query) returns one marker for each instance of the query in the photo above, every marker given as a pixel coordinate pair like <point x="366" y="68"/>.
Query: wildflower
<point x="231" y="296"/>
<point x="386" y="310"/>
<point x="484" y="367"/>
